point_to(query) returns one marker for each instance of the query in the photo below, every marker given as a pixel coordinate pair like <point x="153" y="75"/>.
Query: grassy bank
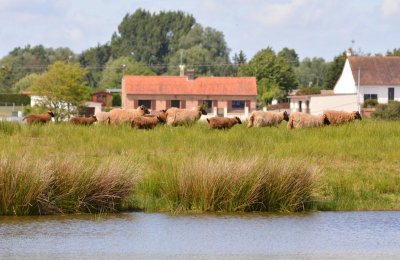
<point x="64" y="168"/>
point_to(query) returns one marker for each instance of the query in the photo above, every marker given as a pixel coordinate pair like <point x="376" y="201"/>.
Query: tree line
<point x="155" y="44"/>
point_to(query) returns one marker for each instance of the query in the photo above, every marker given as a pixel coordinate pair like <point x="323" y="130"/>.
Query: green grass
<point x="55" y="168"/>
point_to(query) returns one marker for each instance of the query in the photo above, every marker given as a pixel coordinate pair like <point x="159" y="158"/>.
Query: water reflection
<point x="141" y="235"/>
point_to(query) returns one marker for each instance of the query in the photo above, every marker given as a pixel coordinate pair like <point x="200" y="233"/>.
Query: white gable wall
<point x="346" y="83"/>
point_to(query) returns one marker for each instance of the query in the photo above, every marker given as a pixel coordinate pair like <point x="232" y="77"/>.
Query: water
<point x="328" y="235"/>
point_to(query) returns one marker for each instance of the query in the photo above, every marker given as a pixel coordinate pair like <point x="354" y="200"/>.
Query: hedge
<point x="17" y="99"/>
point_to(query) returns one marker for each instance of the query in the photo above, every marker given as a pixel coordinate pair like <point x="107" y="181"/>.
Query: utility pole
<point x="358" y="91"/>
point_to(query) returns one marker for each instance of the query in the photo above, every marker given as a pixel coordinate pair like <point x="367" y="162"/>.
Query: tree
<point x="116" y="69"/>
<point x="334" y="71"/>
<point x="63" y="88"/>
<point x="239" y="59"/>
<point x="94" y="59"/>
<point x="395" y="52"/>
<point x="150" y="37"/>
<point x="290" y="56"/>
<point x="24" y="61"/>
<point x="203" y="49"/>
<point x="268" y="68"/>
<point x="311" y="72"/>
<point x="6" y="78"/>
<point x="26" y="82"/>
<point x="268" y="90"/>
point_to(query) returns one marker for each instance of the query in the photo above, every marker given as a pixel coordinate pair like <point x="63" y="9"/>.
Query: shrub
<point x="308" y="91"/>
<point x="116" y="100"/>
<point x="370" y="103"/>
<point x="389" y="111"/>
<point x="17" y="99"/>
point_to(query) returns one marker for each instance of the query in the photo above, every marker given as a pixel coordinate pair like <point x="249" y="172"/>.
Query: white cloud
<point x="74" y="34"/>
<point x="390" y="8"/>
<point x="279" y="13"/>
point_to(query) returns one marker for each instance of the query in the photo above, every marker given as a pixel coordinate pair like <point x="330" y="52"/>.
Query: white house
<point x="372" y="77"/>
<point x="362" y="78"/>
<point x="316" y="104"/>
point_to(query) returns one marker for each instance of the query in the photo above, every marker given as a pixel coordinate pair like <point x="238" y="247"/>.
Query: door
<point x="391" y="94"/>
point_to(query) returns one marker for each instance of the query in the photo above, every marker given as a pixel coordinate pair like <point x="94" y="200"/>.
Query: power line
<point x="42" y="67"/>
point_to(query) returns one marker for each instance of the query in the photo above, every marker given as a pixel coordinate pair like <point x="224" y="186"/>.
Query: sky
<point x="313" y="28"/>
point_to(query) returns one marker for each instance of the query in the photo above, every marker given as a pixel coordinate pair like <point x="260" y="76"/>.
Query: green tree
<point x="116" y="69"/>
<point x="334" y="70"/>
<point x="394" y="52"/>
<point x="94" y="60"/>
<point x="268" y="68"/>
<point x="239" y="58"/>
<point x="311" y="72"/>
<point x="290" y="56"/>
<point x="268" y="90"/>
<point x="26" y="82"/>
<point x="150" y="38"/>
<point x="24" y="61"/>
<point x="63" y="88"/>
<point x="203" y="49"/>
<point x="6" y="78"/>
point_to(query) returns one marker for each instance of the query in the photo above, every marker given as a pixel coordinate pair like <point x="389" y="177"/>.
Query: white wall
<point x="381" y="91"/>
<point x="96" y="105"/>
<point x="333" y="102"/>
<point x="346" y="83"/>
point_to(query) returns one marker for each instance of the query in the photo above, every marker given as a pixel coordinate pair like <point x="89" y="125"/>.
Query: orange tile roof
<point x="176" y="85"/>
<point x="376" y="70"/>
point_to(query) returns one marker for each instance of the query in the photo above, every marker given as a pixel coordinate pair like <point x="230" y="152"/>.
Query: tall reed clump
<point x="63" y="185"/>
<point x="222" y="184"/>
<point x="9" y="128"/>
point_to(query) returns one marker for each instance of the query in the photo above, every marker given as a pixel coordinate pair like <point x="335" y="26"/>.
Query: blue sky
<point x="314" y="28"/>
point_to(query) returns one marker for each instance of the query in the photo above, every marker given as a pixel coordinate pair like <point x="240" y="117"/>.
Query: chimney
<point x="190" y="74"/>
<point x="349" y="52"/>
<point x="181" y="70"/>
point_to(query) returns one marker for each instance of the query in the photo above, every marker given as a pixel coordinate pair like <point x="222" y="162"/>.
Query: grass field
<point x="59" y="168"/>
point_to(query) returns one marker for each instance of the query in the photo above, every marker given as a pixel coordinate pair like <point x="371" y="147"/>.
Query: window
<point x="300" y="106"/>
<point x="238" y="103"/>
<point x="370" y="96"/>
<point x="146" y="103"/>
<point x="207" y="104"/>
<point x="391" y="93"/>
<point x="176" y="103"/>
<point x="99" y="98"/>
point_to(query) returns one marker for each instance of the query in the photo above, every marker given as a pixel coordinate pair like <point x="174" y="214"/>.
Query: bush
<point x="370" y="103"/>
<point x="17" y="99"/>
<point x="116" y="101"/>
<point x="308" y="91"/>
<point x="389" y="111"/>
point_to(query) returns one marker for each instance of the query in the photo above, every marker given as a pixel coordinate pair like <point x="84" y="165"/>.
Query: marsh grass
<point x="63" y="185"/>
<point x="62" y="168"/>
<point x="222" y="184"/>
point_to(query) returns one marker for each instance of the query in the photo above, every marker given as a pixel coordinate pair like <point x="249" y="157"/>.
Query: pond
<point x="350" y="235"/>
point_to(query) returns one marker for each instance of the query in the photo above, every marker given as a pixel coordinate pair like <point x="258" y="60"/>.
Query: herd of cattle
<point x="142" y="118"/>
